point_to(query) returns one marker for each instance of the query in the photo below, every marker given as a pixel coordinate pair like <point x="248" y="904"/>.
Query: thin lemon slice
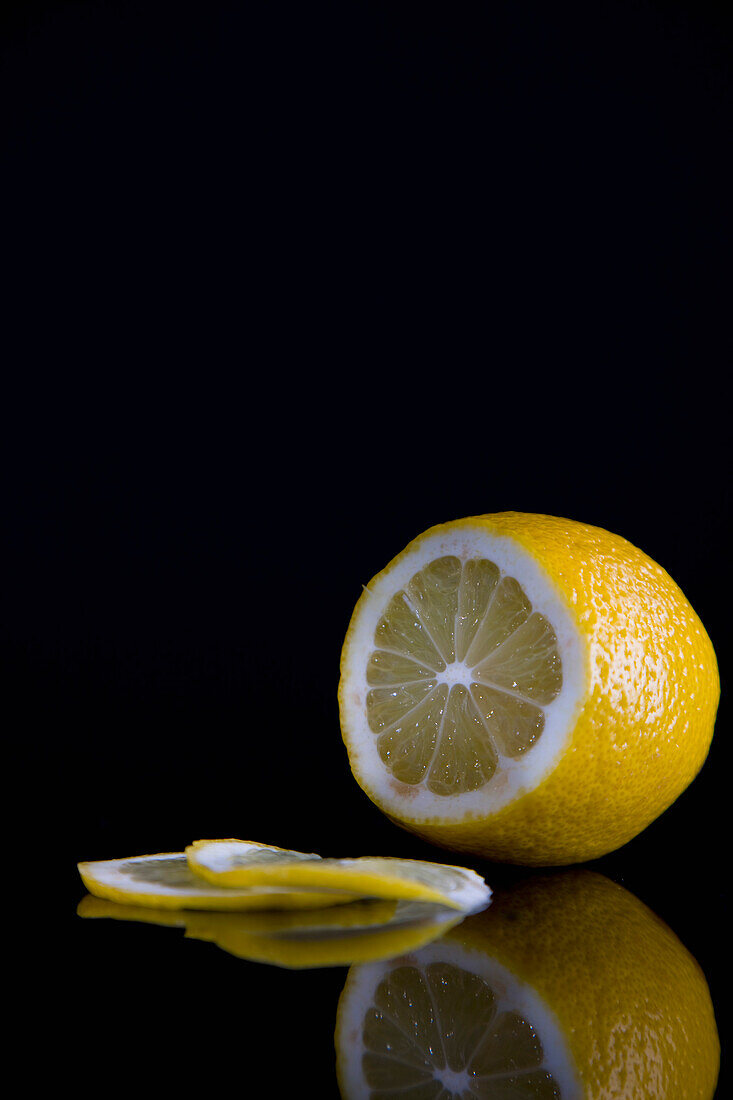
<point x="166" y="881"/>
<point x="230" y="863"/>
<point x="338" y="936"/>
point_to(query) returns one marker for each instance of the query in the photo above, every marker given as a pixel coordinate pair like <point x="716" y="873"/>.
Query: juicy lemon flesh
<point x="439" y="1031"/>
<point x="460" y="673"/>
<point x="167" y="871"/>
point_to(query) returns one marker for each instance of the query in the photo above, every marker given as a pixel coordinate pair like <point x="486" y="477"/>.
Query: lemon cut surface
<point x="525" y="688"/>
<point x="461" y="670"/>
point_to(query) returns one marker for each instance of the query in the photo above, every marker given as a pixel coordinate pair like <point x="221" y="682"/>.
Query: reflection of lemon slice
<point x="566" y="988"/>
<point x="525" y="688"/>
<point x="165" y="881"/>
<point x="231" y="863"/>
<point x="91" y="908"/>
<point x="411" y="925"/>
<point x="337" y="936"/>
<point x="354" y="914"/>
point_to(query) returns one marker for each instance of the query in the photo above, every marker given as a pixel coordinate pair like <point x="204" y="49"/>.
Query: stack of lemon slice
<point x="244" y="874"/>
<point x="290" y="908"/>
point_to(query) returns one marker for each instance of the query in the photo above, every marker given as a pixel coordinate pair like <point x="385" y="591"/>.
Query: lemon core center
<point x="456" y="673"/>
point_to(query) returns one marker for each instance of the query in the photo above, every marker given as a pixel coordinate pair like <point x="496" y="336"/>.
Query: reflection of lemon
<point x="566" y="988"/>
<point x="525" y="688"/>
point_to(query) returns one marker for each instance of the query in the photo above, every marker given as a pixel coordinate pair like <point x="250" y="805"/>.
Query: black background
<point x="286" y="286"/>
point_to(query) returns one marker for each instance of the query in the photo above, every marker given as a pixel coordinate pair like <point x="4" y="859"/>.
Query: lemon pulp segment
<point x="460" y="672"/>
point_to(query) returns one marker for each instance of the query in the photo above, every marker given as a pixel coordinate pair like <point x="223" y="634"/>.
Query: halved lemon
<point x="165" y="881"/>
<point x="525" y="688"/>
<point x="232" y="863"/>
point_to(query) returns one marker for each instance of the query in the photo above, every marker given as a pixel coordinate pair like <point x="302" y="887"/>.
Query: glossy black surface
<point x="272" y="1026"/>
<point x="288" y="286"/>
